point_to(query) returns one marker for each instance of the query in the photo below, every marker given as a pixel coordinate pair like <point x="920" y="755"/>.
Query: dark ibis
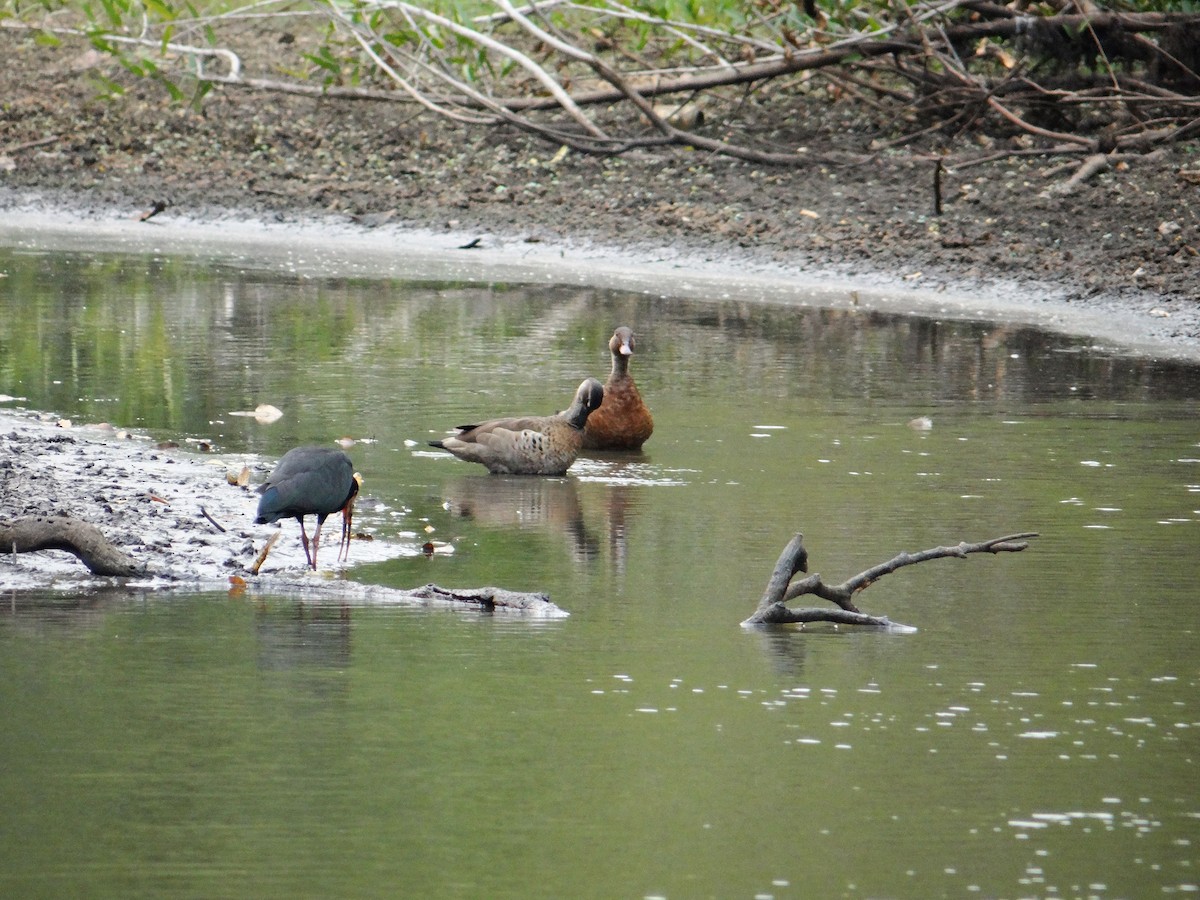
<point x="308" y="481"/>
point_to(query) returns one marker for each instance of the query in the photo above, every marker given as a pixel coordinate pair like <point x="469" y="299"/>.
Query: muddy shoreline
<point x="1116" y="259"/>
<point x="176" y="513"/>
<point x="331" y="247"/>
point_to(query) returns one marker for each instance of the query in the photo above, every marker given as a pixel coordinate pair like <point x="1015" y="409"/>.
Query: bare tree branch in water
<point x="773" y="610"/>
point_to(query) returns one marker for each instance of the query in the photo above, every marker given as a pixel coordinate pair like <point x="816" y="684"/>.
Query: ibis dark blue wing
<point x="307" y="481"/>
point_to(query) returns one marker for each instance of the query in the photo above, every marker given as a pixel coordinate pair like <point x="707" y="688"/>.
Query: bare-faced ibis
<point x="308" y="481"/>
<point x="528" y="445"/>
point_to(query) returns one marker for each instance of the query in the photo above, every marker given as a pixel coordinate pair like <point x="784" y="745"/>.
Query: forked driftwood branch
<point x="773" y="609"/>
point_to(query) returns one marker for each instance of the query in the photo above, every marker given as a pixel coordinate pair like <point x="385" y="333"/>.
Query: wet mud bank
<point x="177" y="514"/>
<point x="330" y="247"/>
<point x="1116" y="258"/>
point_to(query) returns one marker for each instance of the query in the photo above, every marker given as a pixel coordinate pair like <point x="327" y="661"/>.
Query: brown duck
<point x="528" y="445"/>
<point x="622" y="422"/>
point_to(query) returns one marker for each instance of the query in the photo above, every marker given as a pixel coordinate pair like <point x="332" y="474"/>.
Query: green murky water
<point x="1038" y="735"/>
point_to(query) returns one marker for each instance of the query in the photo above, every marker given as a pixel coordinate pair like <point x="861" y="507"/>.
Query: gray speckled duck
<point x="528" y="445"/>
<point x="622" y="422"/>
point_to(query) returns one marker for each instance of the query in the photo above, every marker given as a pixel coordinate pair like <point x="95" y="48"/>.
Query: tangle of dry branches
<point x="601" y="76"/>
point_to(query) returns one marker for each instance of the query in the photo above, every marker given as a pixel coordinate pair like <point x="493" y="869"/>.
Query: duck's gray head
<point x="588" y="398"/>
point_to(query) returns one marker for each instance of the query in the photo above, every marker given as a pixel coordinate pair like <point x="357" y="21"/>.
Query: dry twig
<point x="546" y="68"/>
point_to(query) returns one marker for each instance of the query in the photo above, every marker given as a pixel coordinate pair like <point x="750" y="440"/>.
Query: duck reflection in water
<point x="529" y="503"/>
<point x="554" y="506"/>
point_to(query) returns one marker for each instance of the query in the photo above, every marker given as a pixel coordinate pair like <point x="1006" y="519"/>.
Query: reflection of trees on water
<point x="850" y="354"/>
<point x="174" y="344"/>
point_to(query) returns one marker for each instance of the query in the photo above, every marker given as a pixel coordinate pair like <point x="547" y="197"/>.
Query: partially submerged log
<point x="29" y="534"/>
<point x="488" y="599"/>
<point x="773" y="609"/>
<point x="354" y="593"/>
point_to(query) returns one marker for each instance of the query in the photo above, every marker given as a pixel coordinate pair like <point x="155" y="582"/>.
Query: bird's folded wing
<point x="503" y="438"/>
<point x="514" y="424"/>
